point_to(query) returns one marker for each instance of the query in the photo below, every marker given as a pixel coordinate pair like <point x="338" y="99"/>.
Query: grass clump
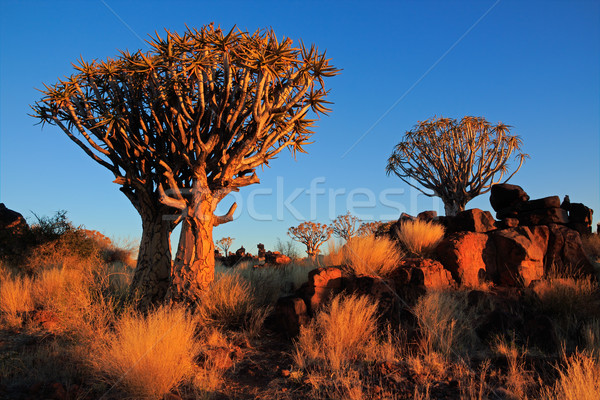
<point x="15" y="298"/>
<point x="227" y="303"/>
<point x="343" y="332"/>
<point x="445" y="323"/>
<point x="420" y="237"/>
<point x="147" y="356"/>
<point x="578" y="379"/>
<point x="371" y="255"/>
<point x="569" y="302"/>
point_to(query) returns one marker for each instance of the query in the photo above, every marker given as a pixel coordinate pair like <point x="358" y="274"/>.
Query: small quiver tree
<point x="345" y="226"/>
<point x="224" y="244"/>
<point x="312" y="235"/>
<point x="455" y="160"/>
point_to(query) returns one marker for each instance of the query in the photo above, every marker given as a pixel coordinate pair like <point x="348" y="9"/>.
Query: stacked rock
<point x="513" y="208"/>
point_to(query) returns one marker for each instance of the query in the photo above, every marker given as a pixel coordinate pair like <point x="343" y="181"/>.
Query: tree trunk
<point x="194" y="265"/>
<point x="151" y="278"/>
<point x="453" y="207"/>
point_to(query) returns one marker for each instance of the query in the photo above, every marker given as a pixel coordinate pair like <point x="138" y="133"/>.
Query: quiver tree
<point x="368" y="228"/>
<point x="344" y="226"/>
<point x="455" y="160"/>
<point x="238" y="100"/>
<point x="184" y="124"/>
<point x="312" y="235"/>
<point x="224" y="244"/>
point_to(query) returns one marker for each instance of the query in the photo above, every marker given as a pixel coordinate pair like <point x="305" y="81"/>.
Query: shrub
<point x="288" y="248"/>
<point x="147" y="356"/>
<point x="578" y="379"/>
<point x="518" y="379"/>
<point x="371" y="256"/>
<point x="420" y="237"/>
<point x="270" y="283"/>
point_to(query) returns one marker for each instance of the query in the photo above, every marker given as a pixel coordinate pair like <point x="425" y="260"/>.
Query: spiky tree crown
<point x="203" y="104"/>
<point x="455" y="159"/>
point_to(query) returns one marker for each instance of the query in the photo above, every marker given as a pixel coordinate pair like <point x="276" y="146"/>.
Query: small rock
<point x="427" y="216"/>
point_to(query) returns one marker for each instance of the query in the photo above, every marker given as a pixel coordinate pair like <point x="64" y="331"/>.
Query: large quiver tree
<point x="184" y="124"/>
<point x="455" y="160"/>
<point x="241" y="98"/>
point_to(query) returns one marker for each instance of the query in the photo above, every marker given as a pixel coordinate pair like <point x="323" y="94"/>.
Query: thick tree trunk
<point x="453" y="207"/>
<point x="194" y="265"/>
<point x="151" y="278"/>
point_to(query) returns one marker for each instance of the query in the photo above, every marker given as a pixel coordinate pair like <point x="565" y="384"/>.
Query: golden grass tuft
<point x="15" y="298"/>
<point x="147" y="356"/>
<point x="445" y="323"/>
<point x="227" y="303"/>
<point x="578" y="379"/>
<point x="335" y="254"/>
<point x="420" y="237"/>
<point x="518" y="379"/>
<point x="370" y="255"/>
<point x="569" y="302"/>
<point x="591" y="246"/>
<point x="343" y="332"/>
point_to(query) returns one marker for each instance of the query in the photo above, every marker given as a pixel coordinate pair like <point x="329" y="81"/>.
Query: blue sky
<point x="532" y="65"/>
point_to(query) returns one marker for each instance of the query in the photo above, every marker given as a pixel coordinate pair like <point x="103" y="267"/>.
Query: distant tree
<point x="312" y="235"/>
<point x="368" y="228"/>
<point x="455" y="160"/>
<point x="224" y="244"/>
<point x="344" y="226"/>
<point x="183" y="125"/>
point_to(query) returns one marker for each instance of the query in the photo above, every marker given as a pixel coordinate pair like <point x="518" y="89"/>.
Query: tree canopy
<point x="455" y="160"/>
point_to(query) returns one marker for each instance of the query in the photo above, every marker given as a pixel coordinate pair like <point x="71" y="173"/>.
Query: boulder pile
<point x="530" y="239"/>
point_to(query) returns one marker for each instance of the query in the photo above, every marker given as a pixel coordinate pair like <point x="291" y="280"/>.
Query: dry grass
<point x="371" y="256"/>
<point x="591" y="246"/>
<point x="446" y="324"/>
<point x="578" y="379"/>
<point x="569" y="302"/>
<point x="15" y="298"/>
<point x="270" y="283"/>
<point x="148" y="356"/>
<point x="591" y="337"/>
<point x="343" y="332"/>
<point x="518" y="379"/>
<point x="228" y="302"/>
<point x="335" y="254"/>
<point x="420" y="237"/>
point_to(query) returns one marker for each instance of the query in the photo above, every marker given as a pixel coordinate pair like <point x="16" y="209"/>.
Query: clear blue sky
<point x="532" y="65"/>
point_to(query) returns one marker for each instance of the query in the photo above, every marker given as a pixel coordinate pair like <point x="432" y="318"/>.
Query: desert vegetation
<point x="80" y="314"/>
